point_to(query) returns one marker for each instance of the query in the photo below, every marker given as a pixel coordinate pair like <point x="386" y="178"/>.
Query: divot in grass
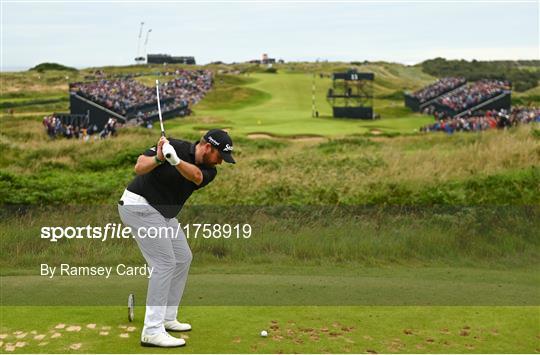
<point x="103" y="333"/>
<point x="56" y="335"/>
<point x="124" y="335"/>
<point x="91" y="326"/>
<point x="9" y="347"/>
<point x="20" y="344"/>
<point x="60" y="326"/>
<point x="73" y="328"/>
<point x="39" y="337"/>
<point x="75" y="346"/>
<point x="21" y="336"/>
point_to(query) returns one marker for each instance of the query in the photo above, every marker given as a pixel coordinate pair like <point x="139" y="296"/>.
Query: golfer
<point x="166" y="176"/>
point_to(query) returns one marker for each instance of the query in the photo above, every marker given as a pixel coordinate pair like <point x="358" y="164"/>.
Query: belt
<point x="130" y="198"/>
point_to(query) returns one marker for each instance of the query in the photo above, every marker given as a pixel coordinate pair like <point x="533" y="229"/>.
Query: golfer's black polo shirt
<point x="164" y="187"/>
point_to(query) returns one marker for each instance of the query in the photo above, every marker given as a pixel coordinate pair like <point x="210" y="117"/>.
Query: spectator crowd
<point x="438" y="88"/>
<point x="128" y="97"/>
<point x="482" y="121"/>
<point x="467" y="97"/>
<point x="77" y="128"/>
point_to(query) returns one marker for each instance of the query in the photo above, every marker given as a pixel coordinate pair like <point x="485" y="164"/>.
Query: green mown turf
<point x="284" y="109"/>
<point x="269" y="285"/>
<point x="291" y="329"/>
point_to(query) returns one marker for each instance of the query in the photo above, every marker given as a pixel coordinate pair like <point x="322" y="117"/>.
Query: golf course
<point x="366" y="236"/>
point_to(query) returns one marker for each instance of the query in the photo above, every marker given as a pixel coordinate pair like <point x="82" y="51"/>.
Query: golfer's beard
<point x="206" y="160"/>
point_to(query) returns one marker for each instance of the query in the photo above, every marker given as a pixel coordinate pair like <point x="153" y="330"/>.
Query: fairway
<point x="282" y="107"/>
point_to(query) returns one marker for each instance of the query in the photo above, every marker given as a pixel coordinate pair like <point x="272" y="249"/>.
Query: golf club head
<point x="131" y="307"/>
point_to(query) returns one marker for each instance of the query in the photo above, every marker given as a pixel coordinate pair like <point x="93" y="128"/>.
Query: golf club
<point x="168" y="155"/>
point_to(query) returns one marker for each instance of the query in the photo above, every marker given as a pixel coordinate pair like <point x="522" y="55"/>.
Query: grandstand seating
<point x="422" y="98"/>
<point x="460" y="97"/>
<point x="126" y="98"/>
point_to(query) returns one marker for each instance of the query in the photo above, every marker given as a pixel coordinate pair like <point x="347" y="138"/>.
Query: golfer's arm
<point x="190" y="172"/>
<point x="145" y="164"/>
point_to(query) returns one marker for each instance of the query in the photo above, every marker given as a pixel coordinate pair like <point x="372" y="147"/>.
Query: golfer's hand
<point x="160" y="144"/>
<point x="170" y="154"/>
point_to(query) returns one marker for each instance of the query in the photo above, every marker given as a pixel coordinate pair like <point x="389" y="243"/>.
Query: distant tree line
<point x="524" y="74"/>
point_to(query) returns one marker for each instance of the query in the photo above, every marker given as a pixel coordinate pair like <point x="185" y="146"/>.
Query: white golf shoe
<point x="161" y="340"/>
<point x="176" y="326"/>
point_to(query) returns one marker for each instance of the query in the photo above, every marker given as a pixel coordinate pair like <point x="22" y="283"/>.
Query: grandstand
<point x="166" y="58"/>
<point x="129" y="100"/>
<point x="453" y="97"/>
<point x="422" y="98"/>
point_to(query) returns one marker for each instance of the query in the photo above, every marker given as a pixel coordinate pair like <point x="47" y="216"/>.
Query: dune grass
<point x="490" y="167"/>
<point x="494" y="236"/>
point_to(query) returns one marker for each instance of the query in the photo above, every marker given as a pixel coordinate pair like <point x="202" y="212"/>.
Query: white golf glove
<point x="170" y="154"/>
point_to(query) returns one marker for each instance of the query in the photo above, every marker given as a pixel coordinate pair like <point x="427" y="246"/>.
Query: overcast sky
<point x="88" y="33"/>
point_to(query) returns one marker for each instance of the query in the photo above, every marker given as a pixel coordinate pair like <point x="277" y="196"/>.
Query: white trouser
<point x="168" y="254"/>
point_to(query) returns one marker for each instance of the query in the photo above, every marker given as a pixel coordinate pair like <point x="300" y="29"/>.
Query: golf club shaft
<point x="159" y="113"/>
<point x="159" y="109"/>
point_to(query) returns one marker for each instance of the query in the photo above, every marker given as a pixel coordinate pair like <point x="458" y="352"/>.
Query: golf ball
<point x="264" y="333"/>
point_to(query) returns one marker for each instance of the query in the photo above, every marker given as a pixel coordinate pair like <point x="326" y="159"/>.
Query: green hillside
<point x="366" y="236"/>
<point x="326" y="160"/>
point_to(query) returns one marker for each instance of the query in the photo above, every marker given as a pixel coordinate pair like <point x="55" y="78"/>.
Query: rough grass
<point x="489" y="168"/>
<point x="371" y="236"/>
<point x="229" y="93"/>
<point x="492" y="167"/>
